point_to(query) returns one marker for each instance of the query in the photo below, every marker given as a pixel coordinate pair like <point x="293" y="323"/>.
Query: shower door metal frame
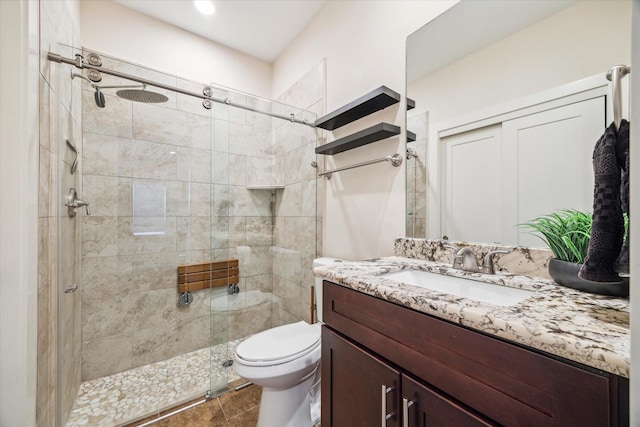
<point x="79" y="63"/>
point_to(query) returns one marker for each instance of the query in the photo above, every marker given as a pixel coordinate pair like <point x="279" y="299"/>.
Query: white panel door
<point x="548" y="164"/>
<point x="472" y="190"/>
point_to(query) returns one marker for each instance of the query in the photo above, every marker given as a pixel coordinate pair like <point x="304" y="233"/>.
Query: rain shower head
<point x="142" y="95"/>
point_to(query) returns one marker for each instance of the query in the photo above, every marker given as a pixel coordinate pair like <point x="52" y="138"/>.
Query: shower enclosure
<point x="152" y="178"/>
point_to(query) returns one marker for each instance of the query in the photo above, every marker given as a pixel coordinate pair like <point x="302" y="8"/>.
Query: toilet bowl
<point x="285" y="362"/>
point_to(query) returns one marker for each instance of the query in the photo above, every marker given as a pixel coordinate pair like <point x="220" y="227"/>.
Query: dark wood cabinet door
<point x="424" y="407"/>
<point x="352" y="386"/>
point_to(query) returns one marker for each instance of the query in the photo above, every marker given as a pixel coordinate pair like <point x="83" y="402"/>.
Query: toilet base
<point x="286" y="408"/>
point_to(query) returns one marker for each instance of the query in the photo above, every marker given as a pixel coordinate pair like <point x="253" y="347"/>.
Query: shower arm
<point x="95" y="85"/>
<point x="78" y="63"/>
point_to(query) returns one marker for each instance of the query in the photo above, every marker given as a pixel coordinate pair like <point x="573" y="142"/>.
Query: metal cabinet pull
<point x="406" y="403"/>
<point x="384" y="416"/>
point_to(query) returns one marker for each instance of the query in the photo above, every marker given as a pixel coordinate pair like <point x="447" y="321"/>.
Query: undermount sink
<point x="479" y="291"/>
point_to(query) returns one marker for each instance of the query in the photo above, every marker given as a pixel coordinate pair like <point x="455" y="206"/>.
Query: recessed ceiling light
<point x="204" y="6"/>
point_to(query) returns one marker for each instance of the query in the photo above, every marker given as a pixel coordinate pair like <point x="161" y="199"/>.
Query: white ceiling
<point x="260" y="28"/>
<point x="468" y="26"/>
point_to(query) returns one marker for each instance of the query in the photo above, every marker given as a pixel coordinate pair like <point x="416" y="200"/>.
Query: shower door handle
<point x="73" y="203"/>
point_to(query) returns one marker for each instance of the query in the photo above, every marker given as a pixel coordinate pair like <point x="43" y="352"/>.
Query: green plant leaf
<point x="566" y="232"/>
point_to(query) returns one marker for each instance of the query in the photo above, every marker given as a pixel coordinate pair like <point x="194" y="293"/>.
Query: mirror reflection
<point x="510" y="100"/>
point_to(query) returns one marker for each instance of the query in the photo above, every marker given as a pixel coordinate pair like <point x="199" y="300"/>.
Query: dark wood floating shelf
<point x="358" y="139"/>
<point x="411" y="136"/>
<point x="373" y="101"/>
<point x="411" y="104"/>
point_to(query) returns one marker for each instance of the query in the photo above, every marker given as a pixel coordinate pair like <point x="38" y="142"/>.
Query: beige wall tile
<point x="100" y="153"/>
<point x="259" y="231"/>
<point x="194" y="165"/>
<point x="100" y="236"/>
<point x="243" y="202"/>
<point x="113" y="121"/>
<point x="143" y="159"/>
<point x="254" y="260"/>
<point x="102" y="192"/>
<point x="237" y="169"/>
<point x="106" y="356"/>
<point x="193" y="233"/>
<point x="165" y="125"/>
<point x="290" y="201"/>
<point x="129" y="241"/>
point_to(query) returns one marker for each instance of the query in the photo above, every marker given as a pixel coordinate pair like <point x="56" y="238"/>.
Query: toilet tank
<point x="320" y="262"/>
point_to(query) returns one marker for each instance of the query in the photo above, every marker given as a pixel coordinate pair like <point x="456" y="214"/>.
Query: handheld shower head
<point x="99" y="97"/>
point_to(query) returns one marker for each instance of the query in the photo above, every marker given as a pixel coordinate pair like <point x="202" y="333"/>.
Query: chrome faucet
<point x="487" y="263"/>
<point x="465" y="259"/>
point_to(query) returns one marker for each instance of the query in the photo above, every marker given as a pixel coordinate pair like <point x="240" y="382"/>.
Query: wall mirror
<point x="510" y="98"/>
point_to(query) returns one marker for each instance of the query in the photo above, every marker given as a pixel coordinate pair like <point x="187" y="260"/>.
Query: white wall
<point x="18" y="211"/>
<point x="578" y="42"/>
<point x="364" y="45"/>
<point x="118" y="31"/>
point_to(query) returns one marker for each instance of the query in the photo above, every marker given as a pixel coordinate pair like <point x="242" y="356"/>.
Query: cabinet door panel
<point x="472" y="180"/>
<point x="429" y="408"/>
<point x="352" y="383"/>
<point x="548" y="164"/>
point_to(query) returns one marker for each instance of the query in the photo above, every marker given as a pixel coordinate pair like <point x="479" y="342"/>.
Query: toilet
<point x="285" y="362"/>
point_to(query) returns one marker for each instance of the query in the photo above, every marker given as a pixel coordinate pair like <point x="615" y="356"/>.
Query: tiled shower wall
<point x="297" y="233"/>
<point x="147" y="176"/>
<point x="416" y="225"/>
<point x="59" y="242"/>
<point x="204" y="163"/>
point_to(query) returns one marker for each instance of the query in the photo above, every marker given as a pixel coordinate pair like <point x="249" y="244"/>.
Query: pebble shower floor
<point x="130" y="395"/>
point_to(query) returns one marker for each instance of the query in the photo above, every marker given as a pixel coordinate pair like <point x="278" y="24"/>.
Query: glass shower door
<point x="146" y="170"/>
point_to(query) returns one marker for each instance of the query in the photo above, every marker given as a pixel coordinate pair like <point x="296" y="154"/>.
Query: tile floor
<point x="232" y="409"/>
<point x="140" y="392"/>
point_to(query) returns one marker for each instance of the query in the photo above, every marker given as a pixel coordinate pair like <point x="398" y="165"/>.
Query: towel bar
<point x="615" y="74"/>
<point x="395" y="160"/>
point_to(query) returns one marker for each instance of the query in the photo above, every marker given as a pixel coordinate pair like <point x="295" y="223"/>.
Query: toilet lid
<point x="281" y="344"/>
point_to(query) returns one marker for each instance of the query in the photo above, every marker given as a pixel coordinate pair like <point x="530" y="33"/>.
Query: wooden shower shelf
<point x="194" y="277"/>
<point x="377" y="99"/>
<point x="358" y="139"/>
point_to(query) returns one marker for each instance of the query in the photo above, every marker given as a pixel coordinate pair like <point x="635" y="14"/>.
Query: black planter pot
<point x="566" y="274"/>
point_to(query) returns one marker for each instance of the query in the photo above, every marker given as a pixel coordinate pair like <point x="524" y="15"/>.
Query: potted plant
<point x="567" y="234"/>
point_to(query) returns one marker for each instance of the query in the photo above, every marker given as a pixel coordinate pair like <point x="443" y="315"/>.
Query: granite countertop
<point x="586" y="328"/>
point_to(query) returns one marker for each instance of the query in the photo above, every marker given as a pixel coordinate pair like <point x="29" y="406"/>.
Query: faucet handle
<point x="454" y="247"/>
<point x="487" y="263"/>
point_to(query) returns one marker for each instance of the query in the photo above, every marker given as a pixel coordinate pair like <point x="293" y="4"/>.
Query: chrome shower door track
<point x="78" y="63"/>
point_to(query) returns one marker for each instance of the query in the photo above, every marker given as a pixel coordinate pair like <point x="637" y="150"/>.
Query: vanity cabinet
<point x="366" y="391"/>
<point x="381" y="358"/>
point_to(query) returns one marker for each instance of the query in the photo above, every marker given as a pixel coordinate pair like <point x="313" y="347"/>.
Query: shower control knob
<point x="73" y="202"/>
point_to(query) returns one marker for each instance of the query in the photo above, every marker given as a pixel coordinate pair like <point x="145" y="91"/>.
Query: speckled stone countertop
<point x="586" y="328"/>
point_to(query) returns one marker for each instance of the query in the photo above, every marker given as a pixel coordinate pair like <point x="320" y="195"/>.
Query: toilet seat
<point x="279" y="345"/>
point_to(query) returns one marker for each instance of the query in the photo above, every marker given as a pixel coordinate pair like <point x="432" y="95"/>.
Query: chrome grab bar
<point x="395" y="160"/>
